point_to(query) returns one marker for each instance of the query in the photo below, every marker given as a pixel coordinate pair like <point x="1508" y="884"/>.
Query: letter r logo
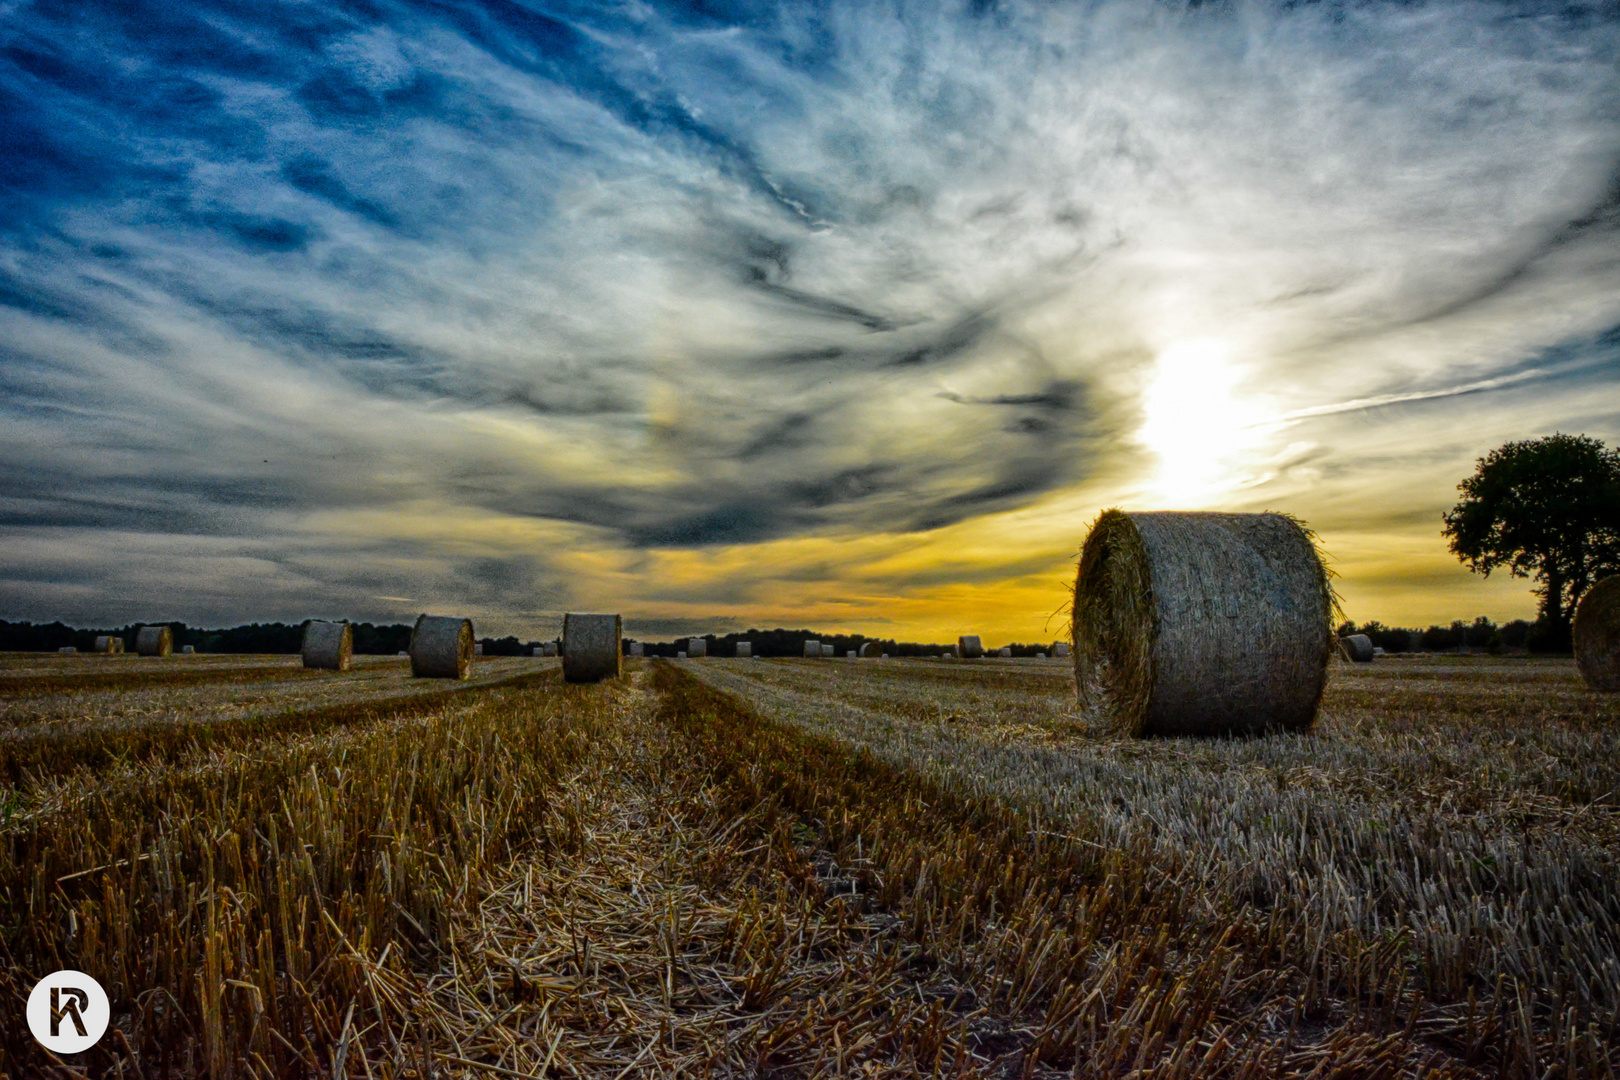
<point x="76" y="1000"/>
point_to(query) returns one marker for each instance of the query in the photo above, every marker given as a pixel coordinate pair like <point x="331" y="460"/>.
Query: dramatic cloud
<point x="796" y="313"/>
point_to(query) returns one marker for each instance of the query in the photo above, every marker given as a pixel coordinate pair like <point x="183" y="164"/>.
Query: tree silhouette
<point x="1545" y="508"/>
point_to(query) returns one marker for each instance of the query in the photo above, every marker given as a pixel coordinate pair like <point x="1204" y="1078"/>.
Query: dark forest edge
<point x="388" y="639"/>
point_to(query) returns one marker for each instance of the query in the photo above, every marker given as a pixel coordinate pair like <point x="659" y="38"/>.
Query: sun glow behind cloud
<point x="1200" y="425"/>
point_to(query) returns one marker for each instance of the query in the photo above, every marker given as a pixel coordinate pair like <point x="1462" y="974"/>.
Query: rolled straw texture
<point x="871" y="649"/>
<point x="1597" y="635"/>
<point x="109" y="643"/>
<point x="328" y="645"/>
<point x="1358" y="647"/>
<point x="593" y="647"/>
<point x="826" y="649"/>
<point x="154" y="641"/>
<point x="1201" y="623"/>
<point x="968" y="647"/>
<point x="812" y="648"/>
<point x="1061" y="649"/>
<point x="745" y="649"/>
<point x="441" y="647"/>
<point x="697" y="646"/>
<point x="187" y="650"/>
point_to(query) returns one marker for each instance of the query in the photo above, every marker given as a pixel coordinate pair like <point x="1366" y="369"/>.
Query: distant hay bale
<point x="1377" y="652"/>
<point x="680" y="654"/>
<point x="154" y="641"/>
<point x="1201" y="623"/>
<point x="826" y="649"/>
<point x="1005" y="652"/>
<point x="441" y="647"/>
<point x="593" y="647"/>
<point x="812" y="647"/>
<point x="548" y="649"/>
<point x="697" y="646"/>
<point x="1040" y="656"/>
<point x="745" y="648"/>
<point x="109" y="643"/>
<point x="851" y="654"/>
<point x="637" y="649"/>
<point x="328" y="646"/>
<point x="478" y="648"/>
<point x="1357" y="647"/>
<point x="871" y="649"/>
<point x="1597" y="635"/>
<point x="403" y="652"/>
<point x="68" y="650"/>
<point x="187" y="650"/>
<point x="968" y="647"/>
<point x="1061" y="649"/>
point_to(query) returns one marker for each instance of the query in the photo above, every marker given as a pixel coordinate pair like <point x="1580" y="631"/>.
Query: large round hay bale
<point x="478" y="648"/>
<point x="1597" y="635"/>
<point x="154" y="641"/>
<point x="812" y="647"/>
<point x="187" y="650"/>
<point x="1005" y="652"/>
<point x="593" y="647"/>
<point x="871" y="649"/>
<point x="109" y="643"/>
<point x="745" y="649"/>
<point x="638" y="649"/>
<point x="1061" y="649"/>
<point x="328" y="646"/>
<point x="697" y="646"/>
<point x="1357" y="647"/>
<point x="680" y="654"/>
<point x="441" y="647"/>
<point x="1201" y="623"/>
<point x="827" y="649"/>
<point x="968" y="647"/>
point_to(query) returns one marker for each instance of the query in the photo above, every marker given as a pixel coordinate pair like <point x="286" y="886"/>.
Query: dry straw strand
<point x="154" y="641"/>
<point x="593" y="647"/>
<point x="328" y="646"/>
<point x="1597" y="635"/>
<point x="1201" y="623"/>
<point x="441" y="647"/>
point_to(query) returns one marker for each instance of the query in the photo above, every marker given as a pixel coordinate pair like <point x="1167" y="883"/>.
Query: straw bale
<point x="1005" y="652"/>
<point x="871" y="648"/>
<point x="637" y="649"/>
<point x="593" y="647"/>
<point x="328" y="645"/>
<point x="812" y="647"/>
<point x="1597" y="635"/>
<point x="1357" y="647"/>
<point x="1061" y="650"/>
<point x="826" y="649"/>
<point x="187" y="650"/>
<point x="1040" y="656"/>
<point x="850" y="654"/>
<point x="478" y="648"/>
<point x="548" y="649"/>
<point x="404" y="652"/>
<point x="1377" y="652"/>
<point x="968" y="647"/>
<point x="441" y="647"/>
<point x="109" y="643"/>
<point x="68" y="649"/>
<point x="1201" y="623"/>
<point x="154" y="641"/>
<point x="697" y="646"/>
<point x="745" y="648"/>
<point x="680" y="654"/>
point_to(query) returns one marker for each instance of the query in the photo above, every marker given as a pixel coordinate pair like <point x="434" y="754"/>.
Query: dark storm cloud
<point x="692" y="275"/>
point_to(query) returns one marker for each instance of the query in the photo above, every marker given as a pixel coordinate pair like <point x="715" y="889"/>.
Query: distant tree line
<point x="273" y="637"/>
<point x="1482" y="633"/>
<point x="780" y="642"/>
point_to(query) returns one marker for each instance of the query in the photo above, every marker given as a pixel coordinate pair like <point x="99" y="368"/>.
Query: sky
<point x="837" y="315"/>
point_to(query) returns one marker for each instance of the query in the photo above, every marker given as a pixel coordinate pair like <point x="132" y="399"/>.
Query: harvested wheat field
<point x="734" y="868"/>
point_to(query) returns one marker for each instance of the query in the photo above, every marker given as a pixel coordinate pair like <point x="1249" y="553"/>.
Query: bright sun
<point x="1195" y="423"/>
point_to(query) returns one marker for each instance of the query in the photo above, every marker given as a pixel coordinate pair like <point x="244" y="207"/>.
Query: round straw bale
<point x="108" y="643"/>
<point x="680" y="654"/>
<point x="1357" y="647"/>
<point x="1597" y="635"/>
<point x="697" y="646"/>
<point x="593" y="647"/>
<point x="968" y="647"/>
<point x="1201" y="623"/>
<point x="478" y="648"/>
<point x="187" y="650"/>
<point x="745" y="648"/>
<point x="637" y="649"/>
<point x="68" y="649"/>
<point x="871" y="648"/>
<point x="404" y="652"/>
<point x="548" y="649"/>
<point x="154" y="641"/>
<point x="1040" y="656"/>
<point x="1061" y="649"/>
<point x="441" y="647"/>
<point x="850" y="654"/>
<point x="827" y="649"/>
<point x="812" y="647"/>
<point x="1377" y="652"/>
<point x="1006" y="652"/>
<point x="328" y="645"/>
